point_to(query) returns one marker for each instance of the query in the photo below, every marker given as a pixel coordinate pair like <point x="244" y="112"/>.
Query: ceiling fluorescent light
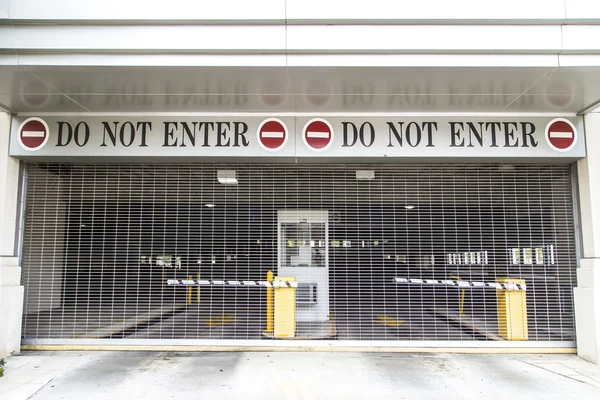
<point x="365" y="175"/>
<point x="227" y="177"/>
<point x="209" y="205"/>
<point x="409" y="207"/>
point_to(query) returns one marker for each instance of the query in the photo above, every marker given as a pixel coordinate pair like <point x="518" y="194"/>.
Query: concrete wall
<point x="587" y="292"/>
<point x="11" y="291"/>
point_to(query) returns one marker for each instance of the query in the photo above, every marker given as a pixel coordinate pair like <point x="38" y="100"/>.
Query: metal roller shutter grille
<point x="101" y="241"/>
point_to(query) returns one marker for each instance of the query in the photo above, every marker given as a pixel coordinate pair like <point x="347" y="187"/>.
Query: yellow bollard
<point x="189" y="292"/>
<point x="285" y="309"/>
<point x="461" y="307"/>
<point x="198" y="291"/>
<point x="512" y="311"/>
<point x="269" y="303"/>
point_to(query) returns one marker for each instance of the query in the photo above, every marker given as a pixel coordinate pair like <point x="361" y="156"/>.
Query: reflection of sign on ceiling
<point x="559" y="94"/>
<point x="317" y="93"/>
<point x="296" y="136"/>
<point x="272" y="93"/>
<point x="35" y="94"/>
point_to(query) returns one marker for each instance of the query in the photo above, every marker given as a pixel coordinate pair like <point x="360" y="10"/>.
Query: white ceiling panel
<point x="425" y="10"/>
<point x="423" y="60"/>
<point x="143" y="38"/>
<point x="90" y="60"/>
<point x="579" y="60"/>
<point x="581" y="39"/>
<point x="4" y="8"/>
<point x="582" y="9"/>
<point x="173" y="10"/>
<point x="424" y="39"/>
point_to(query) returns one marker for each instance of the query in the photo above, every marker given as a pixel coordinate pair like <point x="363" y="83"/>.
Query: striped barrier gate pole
<point x="463" y="284"/>
<point x="209" y="282"/>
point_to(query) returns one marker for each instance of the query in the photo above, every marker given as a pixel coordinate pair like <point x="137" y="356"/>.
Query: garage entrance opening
<point x="101" y="242"/>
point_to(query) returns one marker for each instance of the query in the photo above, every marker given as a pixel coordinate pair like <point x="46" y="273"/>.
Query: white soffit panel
<point x="440" y="38"/>
<point x="4" y="8"/>
<point x="421" y="60"/>
<point x="9" y="59"/>
<point x="149" y="60"/>
<point x="426" y="10"/>
<point x="141" y="38"/>
<point x="577" y="60"/>
<point x="582" y="38"/>
<point x="291" y="60"/>
<point x="183" y="10"/>
<point x="207" y="38"/>
<point x="582" y="9"/>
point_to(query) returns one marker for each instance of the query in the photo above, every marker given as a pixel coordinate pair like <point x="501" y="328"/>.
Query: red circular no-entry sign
<point x="33" y="134"/>
<point x="561" y="134"/>
<point x="272" y="134"/>
<point x="317" y="134"/>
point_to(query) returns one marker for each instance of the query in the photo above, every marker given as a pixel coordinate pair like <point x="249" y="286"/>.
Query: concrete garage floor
<point x="190" y="323"/>
<point x="298" y="376"/>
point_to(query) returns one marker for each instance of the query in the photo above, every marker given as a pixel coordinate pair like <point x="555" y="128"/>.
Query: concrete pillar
<point x="11" y="291"/>
<point x="587" y="292"/>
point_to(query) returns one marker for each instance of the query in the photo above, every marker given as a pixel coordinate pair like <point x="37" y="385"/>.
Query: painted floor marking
<point x="220" y="320"/>
<point x="389" y="321"/>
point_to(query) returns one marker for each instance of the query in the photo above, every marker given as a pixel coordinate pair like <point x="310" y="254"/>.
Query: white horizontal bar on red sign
<point x="33" y="133"/>
<point x="463" y="284"/>
<point x="561" y="135"/>
<point x="313" y="134"/>
<point x="272" y="134"/>
<point x="239" y="283"/>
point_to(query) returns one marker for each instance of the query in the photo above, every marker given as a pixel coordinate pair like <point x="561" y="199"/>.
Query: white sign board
<point x="296" y="138"/>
